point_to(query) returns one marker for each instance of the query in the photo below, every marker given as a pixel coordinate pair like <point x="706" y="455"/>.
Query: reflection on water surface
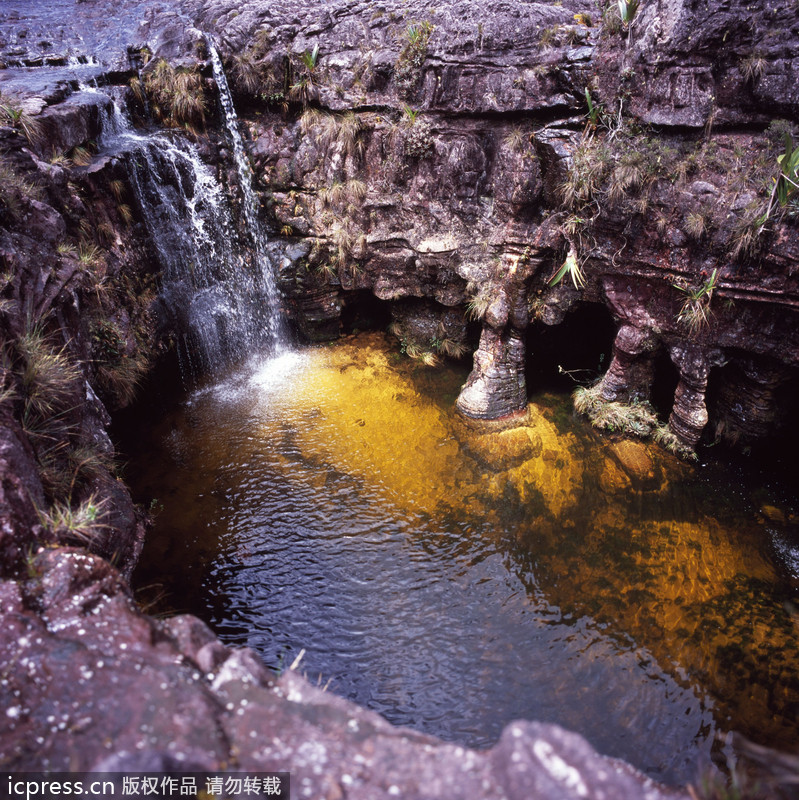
<point x="454" y="579"/>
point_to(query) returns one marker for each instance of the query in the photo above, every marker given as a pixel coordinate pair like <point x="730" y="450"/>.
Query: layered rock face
<point x="446" y="157"/>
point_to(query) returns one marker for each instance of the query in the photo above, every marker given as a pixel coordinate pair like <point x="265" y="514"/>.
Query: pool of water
<point x="455" y="578"/>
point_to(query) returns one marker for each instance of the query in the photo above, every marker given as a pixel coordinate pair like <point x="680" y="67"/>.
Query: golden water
<point x="455" y="578"/>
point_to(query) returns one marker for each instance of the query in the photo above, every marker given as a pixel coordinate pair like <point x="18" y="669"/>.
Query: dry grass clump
<point x="48" y="376"/>
<point x="176" y="96"/>
<point x="666" y="438"/>
<point x="636" y="418"/>
<point x="82" y="524"/>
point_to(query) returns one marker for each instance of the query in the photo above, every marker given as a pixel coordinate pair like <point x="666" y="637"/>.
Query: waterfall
<point x="221" y="308"/>
<point x="250" y="203"/>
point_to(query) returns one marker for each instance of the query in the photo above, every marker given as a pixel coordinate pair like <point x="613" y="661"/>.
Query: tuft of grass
<point x="48" y="376"/>
<point x="125" y="213"/>
<point x="342" y="130"/>
<point x="752" y="68"/>
<point x="83" y="523"/>
<point x="67" y="249"/>
<point x="15" y="188"/>
<point x="480" y="300"/>
<point x="516" y="139"/>
<point x="30" y="127"/>
<point x="453" y="348"/>
<point x="176" y="96"/>
<point x="246" y="71"/>
<point x="90" y="255"/>
<point x="408" y="67"/>
<point x="696" y="224"/>
<point x="637" y="418"/>
<point x="81" y="155"/>
<point x="666" y="438"/>
<point x="117" y="188"/>
<point x="695" y="311"/>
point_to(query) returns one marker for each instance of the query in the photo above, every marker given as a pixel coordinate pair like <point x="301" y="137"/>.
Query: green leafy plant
<point x="411" y="115"/>
<point x="303" y="90"/>
<point x="309" y="58"/>
<point x="408" y="68"/>
<point x="20" y="119"/>
<point x="787" y="184"/>
<point x="570" y="267"/>
<point x="595" y="111"/>
<point x="628" y="10"/>
<point x="695" y="311"/>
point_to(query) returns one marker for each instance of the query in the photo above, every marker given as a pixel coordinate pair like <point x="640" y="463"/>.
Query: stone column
<point x="747" y="408"/>
<point x="497" y="386"/>
<point x="632" y="368"/>
<point x="689" y="413"/>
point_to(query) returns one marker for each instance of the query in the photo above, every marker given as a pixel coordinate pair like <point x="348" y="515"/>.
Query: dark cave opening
<point x="576" y="352"/>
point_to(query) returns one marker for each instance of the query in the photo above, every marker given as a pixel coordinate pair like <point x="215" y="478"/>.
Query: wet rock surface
<point x="80" y="646"/>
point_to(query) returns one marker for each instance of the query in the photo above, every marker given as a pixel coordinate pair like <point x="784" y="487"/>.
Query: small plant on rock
<point x="571" y="267"/>
<point x="408" y="69"/>
<point x="304" y="88"/>
<point x="752" y="68"/>
<point x="695" y="311"/>
<point x="48" y="375"/>
<point x="16" y="117"/>
<point x="418" y="141"/>
<point x="627" y="11"/>
<point x="666" y="438"/>
<point x="176" y="95"/>
<point x="636" y="418"/>
<point x="481" y="297"/>
<point x="83" y="524"/>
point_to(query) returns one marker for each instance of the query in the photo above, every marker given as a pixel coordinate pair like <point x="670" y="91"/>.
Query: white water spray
<point x="221" y="308"/>
<point x="250" y="200"/>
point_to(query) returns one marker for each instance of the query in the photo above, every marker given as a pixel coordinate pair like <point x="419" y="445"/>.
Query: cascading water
<point x="222" y="307"/>
<point x="250" y="202"/>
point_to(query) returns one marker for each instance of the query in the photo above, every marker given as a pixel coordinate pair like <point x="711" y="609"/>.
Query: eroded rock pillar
<point x="497" y="387"/>
<point x="747" y="406"/>
<point x="632" y="369"/>
<point x="689" y="413"/>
